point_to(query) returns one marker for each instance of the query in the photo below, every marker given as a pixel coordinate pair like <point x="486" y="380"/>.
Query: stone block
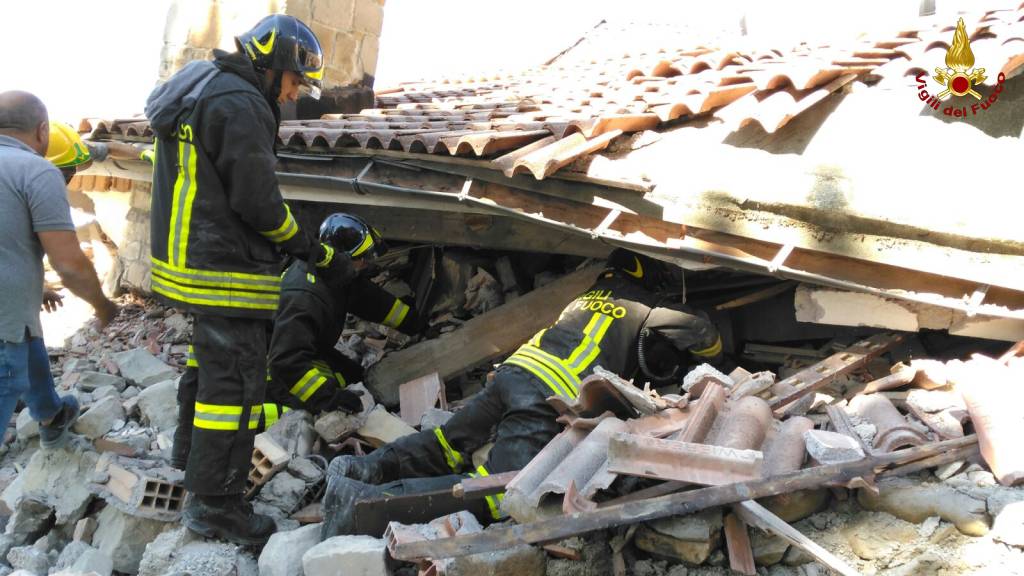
<point x="1008" y="527"/>
<point x="518" y="560"/>
<point x="368" y="17"/>
<point x="84" y="529"/>
<point x="346" y="55"/>
<point x="282" y="556"/>
<point x="142" y="368"/>
<point x="93" y="562"/>
<point x="180" y="551"/>
<point x="124" y="537"/>
<point x="99" y="418"/>
<point x="360" y="555"/>
<point x="917" y="501"/>
<point x="689" y="539"/>
<point x="30" y="558"/>
<point x="768" y="549"/>
<point x="335" y="13"/>
<point x="326" y="35"/>
<point x="89" y="381"/>
<point x="26" y="427"/>
<point x="70" y="554"/>
<point x="305" y="469"/>
<point x="59" y="479"/>
<point x="284" y="492"/>
<point x="383" y="427"/>
<point x="301" y="9"/>
<point x="31" y="519"/>
<point x="832" y="447"/>
<point x="336" y="426"/>
<point x="159" y="404"/>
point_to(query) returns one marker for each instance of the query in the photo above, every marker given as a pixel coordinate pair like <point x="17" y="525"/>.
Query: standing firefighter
<point x="218" y="223"/>
<point x="618" y="324"/>
<point x="306" y="369"/>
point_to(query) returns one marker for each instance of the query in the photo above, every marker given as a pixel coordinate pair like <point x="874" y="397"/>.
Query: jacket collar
<point x="12" y="142"/>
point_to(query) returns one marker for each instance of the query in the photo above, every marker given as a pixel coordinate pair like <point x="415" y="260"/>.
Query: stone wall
<point x="349" y="32"/>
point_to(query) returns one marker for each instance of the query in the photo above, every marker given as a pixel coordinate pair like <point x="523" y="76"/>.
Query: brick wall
<point x="349" y="32"/>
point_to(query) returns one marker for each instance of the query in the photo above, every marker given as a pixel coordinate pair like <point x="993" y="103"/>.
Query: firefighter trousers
<point x="223" y="402"/>
<point x="512" y="409"/>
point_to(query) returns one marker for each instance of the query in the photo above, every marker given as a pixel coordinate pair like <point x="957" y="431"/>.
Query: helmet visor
<point x="311" y="70"/>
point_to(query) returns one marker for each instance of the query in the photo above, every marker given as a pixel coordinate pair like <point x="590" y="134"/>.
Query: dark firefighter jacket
<point x="218" y="219"/>
<point x="308" y="323"/>
<point x="602" y="328"/>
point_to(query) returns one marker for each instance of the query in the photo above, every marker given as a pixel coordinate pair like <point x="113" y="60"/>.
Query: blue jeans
<point x="25" y="373"/>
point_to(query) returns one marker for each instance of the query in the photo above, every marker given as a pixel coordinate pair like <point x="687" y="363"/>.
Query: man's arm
<point x="76" y="271"/>
<point x="687" y="330"/>
<point x="375" y="304"/>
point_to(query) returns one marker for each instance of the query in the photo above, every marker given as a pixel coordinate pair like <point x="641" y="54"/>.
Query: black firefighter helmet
<point x="351" y="234"/>
<point x="654" y="275"/>
<point x="281" y="42"/>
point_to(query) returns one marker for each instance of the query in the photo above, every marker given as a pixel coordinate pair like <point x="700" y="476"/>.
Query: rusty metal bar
<point x="893" y="430"/>
<point x="814" y="377"/>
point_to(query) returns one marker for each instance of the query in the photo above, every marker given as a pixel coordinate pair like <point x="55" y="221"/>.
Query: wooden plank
<point x="672" y="505"/>
<point x="486" y="337"/>
<point x="756" y="515"/>
<point x="483" y="485"/>
<point x="737" y="541"/>
<point x="419" y="395"/>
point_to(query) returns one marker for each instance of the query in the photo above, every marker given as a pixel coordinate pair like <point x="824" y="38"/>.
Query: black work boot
<point x="362" y="468"/>
<point x="54" y="434"/>
<point x="339" y="509"/>
<point x="229" y="518"/>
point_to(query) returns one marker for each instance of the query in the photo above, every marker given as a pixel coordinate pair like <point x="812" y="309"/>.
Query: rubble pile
<point x="848" y="462"/>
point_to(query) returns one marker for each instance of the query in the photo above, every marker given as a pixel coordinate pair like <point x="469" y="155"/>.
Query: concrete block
<point x="31" y="519"/>
<point x="695" y="381"/>
<point x="179" y="551"/>
<point x="305" y="469"/>
<point x="1008" y="527"/>
<point x="89" y="381"/>
<point x="832" y="447"/>
<point x="104" y="392"/>
<point x="518" y="560"/>
<point x="26" y="427"/>
<point x="58" y="478"/>
<point x="142" y="368"/>
<point x="70" y="554"/>
<point x="159" y="404"/>
<point x="360" y="555"/>
<point x="99" y="418"/>
<point x="282" y="556"/>
<point x="383" y="427"/>
<point x="268" y="458"/>
<point x="124" y="537"/>
<point x="294" y="432"/>
<point x="336" y="426"/>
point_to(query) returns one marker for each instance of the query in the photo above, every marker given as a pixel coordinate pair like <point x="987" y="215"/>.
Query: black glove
<point x="349" y="401"/>
<point x="334" y="267"/>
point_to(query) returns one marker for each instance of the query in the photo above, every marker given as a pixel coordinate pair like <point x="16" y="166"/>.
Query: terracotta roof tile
<point x="622" y="79"/>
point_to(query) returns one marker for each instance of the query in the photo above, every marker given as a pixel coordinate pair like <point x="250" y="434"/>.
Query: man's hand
<point x="349" y="401"/>
<point x="52" y="300"/>
<point x="333" y="266"/>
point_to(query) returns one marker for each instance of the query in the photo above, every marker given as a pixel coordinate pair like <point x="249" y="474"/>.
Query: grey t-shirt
<point x="32" y="199"/>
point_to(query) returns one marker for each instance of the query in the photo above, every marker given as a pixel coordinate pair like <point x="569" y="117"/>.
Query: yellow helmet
<point x="66" y="148"/>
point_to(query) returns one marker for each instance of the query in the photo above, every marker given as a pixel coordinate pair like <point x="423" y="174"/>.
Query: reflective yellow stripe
<point x="269" y="46"/>
<point x="181" y="203"/>
<point x="556" y="365"/>
<point x="363" y="246"/>
<point x="494" y="500"/>
<point x="452" y="456"/>
<point x="712" y="350"/>
<point x="217" y="416"/>
<point x="535" y="341"/>
<point x="212" y="297"/>
<point x="589" y="347"/>
<point x="191" y="361"/>
<point x="341" y="379"/>
<point x="397" y="314"/>
<point x="286" y="231"/>
<point x="254" y="417"/>
<point x="543" y="373"/>
<point x="328" y="256"/>
<point x="310" y="382"/>
<point x="271" y="414"/>
<point x="264" y="282"/>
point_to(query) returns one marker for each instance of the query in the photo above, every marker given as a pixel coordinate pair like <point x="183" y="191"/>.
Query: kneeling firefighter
<point x="605" y="326"/>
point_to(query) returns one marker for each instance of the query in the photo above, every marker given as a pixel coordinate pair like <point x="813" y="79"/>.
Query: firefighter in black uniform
<point x="611" y="325"/>
<point x="306" y="370"/>
<point x="218" y="226"/>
